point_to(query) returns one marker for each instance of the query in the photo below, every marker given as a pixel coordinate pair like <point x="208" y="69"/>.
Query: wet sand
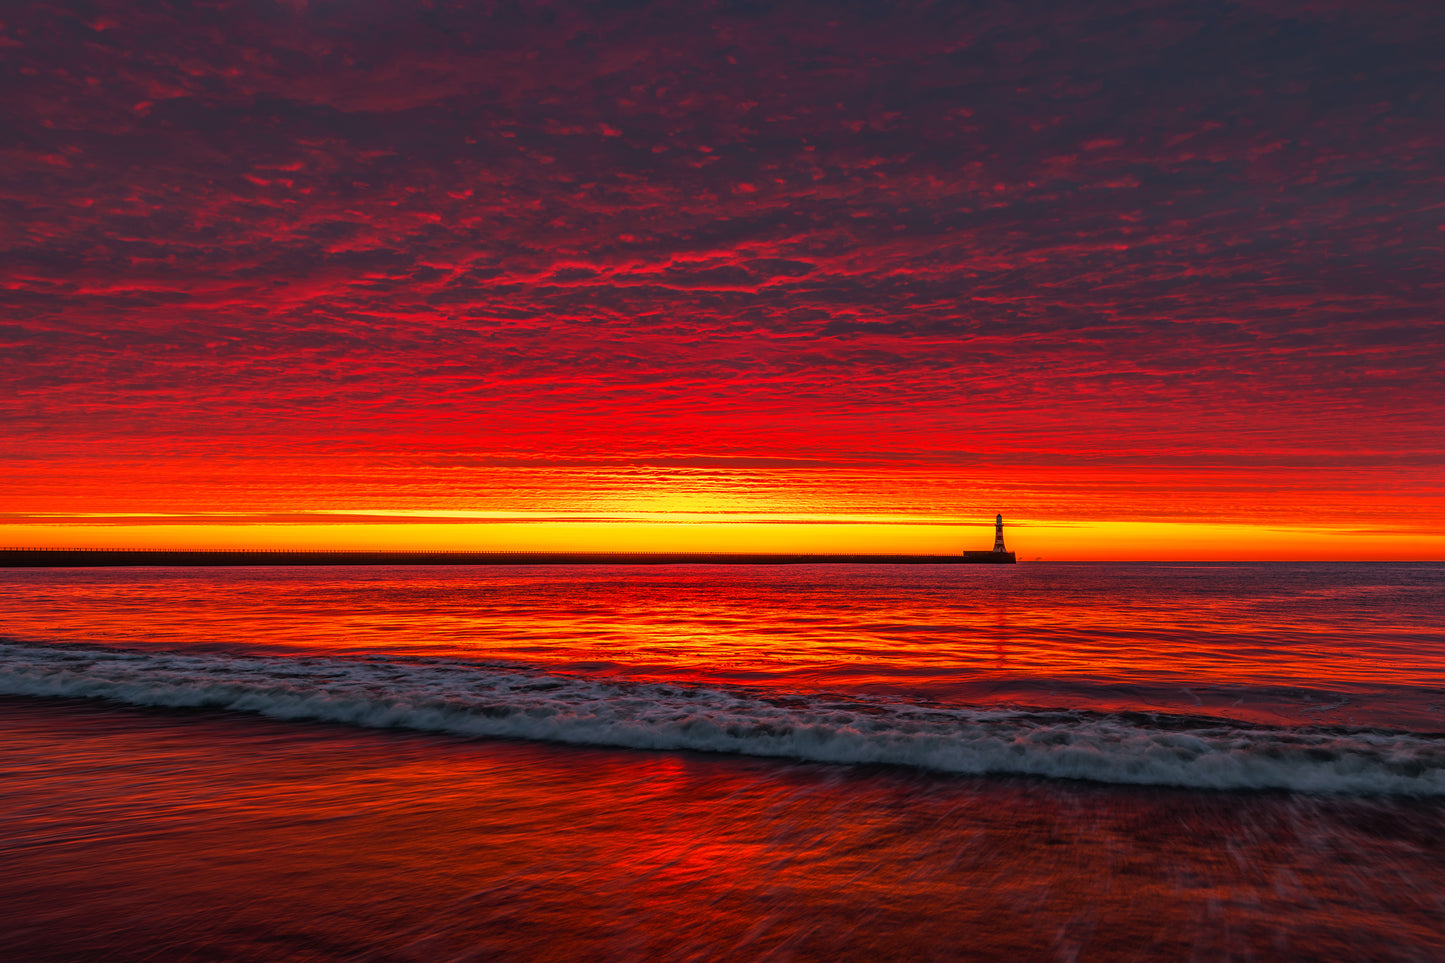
<point x="134" y="834"/>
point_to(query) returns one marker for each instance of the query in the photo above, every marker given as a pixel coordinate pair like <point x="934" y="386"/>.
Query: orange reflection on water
<point x="1102" y="636"/>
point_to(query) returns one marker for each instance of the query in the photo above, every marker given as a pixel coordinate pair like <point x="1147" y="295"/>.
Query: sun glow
<point x="1030" y="538"/>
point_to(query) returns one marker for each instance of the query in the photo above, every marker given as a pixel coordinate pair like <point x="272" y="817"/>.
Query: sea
<point x="812" y="762"/>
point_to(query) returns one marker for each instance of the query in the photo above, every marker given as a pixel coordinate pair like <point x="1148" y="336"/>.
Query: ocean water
<point x="809" y="762"/>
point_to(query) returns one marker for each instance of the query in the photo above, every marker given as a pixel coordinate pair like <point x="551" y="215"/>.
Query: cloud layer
<point x="1183" y="238"/>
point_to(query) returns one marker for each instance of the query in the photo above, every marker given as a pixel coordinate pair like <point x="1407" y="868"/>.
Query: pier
<point x="121" y="557"/>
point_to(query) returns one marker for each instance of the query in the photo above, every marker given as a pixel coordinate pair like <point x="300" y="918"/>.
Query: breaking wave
<point x="477" y="699"/>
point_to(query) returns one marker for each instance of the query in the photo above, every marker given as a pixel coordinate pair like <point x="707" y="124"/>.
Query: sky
<point x="1152" y="279"/>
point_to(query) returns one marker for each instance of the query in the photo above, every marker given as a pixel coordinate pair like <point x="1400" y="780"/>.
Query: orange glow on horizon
<point x="1030" y="539"/>
<point x="1051" y="513"/>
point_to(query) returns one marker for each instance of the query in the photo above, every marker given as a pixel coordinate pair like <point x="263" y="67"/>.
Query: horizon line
<point x="8" y="556"/>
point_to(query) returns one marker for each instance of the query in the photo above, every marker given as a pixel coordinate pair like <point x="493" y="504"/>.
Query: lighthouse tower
<point x="999" y="553"/>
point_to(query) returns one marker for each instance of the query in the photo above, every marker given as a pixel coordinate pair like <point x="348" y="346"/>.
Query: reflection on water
<point x="132" y="834"/>
<point x="1226" y="639"/>
<point x="140" y="834"/>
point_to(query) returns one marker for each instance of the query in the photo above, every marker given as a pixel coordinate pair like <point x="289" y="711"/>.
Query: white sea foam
<point x="473" y="699"/>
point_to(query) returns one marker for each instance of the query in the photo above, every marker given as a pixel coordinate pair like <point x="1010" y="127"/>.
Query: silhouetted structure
<point x="121" y="557"/>
<point x="999" y="555"/>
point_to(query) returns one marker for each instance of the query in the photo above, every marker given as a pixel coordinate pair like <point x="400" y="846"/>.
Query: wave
<point x="480" y="699"/>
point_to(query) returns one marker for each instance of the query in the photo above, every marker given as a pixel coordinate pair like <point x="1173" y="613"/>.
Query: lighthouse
<point x="999" y="553"/>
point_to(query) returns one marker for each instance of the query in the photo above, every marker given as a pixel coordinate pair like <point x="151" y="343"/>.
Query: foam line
<point x="472" y="699"/>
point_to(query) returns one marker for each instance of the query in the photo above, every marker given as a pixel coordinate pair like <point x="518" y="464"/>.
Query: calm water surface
<point x="806" y="762"/>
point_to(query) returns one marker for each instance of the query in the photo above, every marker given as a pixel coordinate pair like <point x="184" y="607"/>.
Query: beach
<point x="704" y="762"/>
